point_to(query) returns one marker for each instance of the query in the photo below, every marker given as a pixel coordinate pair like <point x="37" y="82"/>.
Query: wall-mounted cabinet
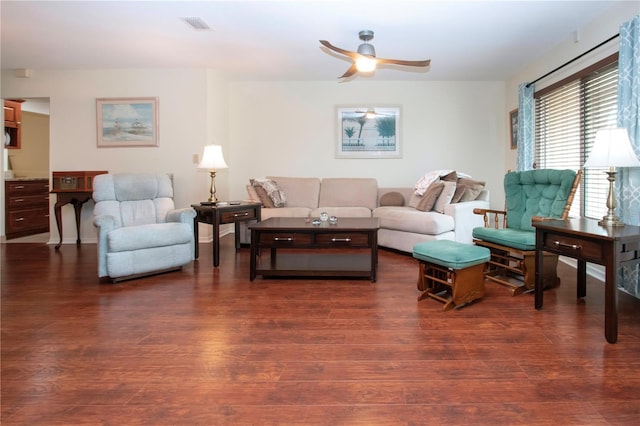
<point x="13" y="123"/>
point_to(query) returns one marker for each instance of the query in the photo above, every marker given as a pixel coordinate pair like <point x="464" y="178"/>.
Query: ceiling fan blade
<point x="351" y="71"/>
<point x="352" y="55"/>
<point x="424" y="63"/>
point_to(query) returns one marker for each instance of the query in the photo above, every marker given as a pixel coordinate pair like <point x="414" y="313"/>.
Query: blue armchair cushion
<point x="516" y="238"/>
<point x="536" y="193"/>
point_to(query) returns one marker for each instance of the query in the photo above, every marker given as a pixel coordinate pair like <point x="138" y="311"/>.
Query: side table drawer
<point x="353" y="239"/>
<point x="284" y="239"/>
<point x="572" y="247"/>
<point x="238" y="215"/>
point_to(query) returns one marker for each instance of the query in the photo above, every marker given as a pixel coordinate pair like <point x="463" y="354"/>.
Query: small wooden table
<point x="75" y="188"/>
<point x="349" y="236"/>
<point x="585" y="240"/>
<point x="221" y="213"/>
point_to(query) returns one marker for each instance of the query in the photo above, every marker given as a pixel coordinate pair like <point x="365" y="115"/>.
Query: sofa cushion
<point x="392" y="198"/>
<point x="300" y="191"/>
<point x="409" y="219"/>
<point x="146" y="236"/>
<point x="342" y="211"/>
<point x="349" y="192"/>
<point x="428" y="200"/>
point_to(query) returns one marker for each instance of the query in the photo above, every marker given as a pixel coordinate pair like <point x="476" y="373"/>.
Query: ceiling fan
<point x="364" y="60"/>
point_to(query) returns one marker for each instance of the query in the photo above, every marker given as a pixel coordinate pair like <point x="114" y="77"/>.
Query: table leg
<point x="58" y="212"/>
<point x="254" y="253"/>
<point x="582" y="279"/>
<point x="539" y="283"/>
<point x="237" y="235"/>
<point x="196" y="238"/>
<point x="611" y="297"/>
<point x="77" y="206"/>
<point x="216" y="239"/>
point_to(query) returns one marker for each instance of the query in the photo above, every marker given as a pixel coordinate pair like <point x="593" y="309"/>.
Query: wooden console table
<point x="75" y="188"/>
<point x="586" y="241"/>
<point x="219" y="214"/>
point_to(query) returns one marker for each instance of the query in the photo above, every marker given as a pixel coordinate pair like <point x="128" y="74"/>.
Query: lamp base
<point x="611" y="220"/>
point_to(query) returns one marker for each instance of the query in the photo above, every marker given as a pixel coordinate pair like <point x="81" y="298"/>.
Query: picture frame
<point x="127" y="122"/>
<point x="513" y="119"/>
<point x="368" y="132"/>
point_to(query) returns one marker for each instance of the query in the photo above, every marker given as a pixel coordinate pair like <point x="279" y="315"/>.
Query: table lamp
<point x="612" y="149"/>
<point x="212" y="160"/>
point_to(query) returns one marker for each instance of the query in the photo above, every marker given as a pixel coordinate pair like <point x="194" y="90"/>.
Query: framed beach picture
<point x="368" y="132"/>
<point x="513" y="118"/>
<point x="127" y="122"/>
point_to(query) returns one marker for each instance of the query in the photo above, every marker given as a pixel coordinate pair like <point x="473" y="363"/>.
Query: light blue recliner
<point x="139" y="230"/>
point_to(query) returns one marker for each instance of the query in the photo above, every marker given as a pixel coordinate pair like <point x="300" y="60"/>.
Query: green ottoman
<point x="451" y="272"/>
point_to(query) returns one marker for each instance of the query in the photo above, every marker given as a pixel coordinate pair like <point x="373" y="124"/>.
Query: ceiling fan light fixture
<point x="367" y="49"/>
<point x="366" y="64"/>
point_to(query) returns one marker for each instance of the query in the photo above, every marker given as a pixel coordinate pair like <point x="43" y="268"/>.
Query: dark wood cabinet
<point x="27" y="207"/>
<point x="13" y="123"/>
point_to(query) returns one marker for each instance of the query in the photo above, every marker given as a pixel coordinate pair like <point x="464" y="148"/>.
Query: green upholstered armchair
<point x="529" y="196"/>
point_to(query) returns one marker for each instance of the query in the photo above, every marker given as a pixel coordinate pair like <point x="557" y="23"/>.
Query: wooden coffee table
<point x="299" y="248"/>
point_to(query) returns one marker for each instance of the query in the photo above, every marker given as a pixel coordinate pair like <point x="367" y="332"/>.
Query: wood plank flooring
<point x="204" y="346"/>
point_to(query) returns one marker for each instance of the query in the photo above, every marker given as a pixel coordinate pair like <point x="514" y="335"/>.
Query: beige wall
<point x="32" y="159"/>
<point x="184" y="110"/>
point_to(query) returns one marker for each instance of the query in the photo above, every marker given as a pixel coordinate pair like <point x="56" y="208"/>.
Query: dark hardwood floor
<point x="205" y="346"/>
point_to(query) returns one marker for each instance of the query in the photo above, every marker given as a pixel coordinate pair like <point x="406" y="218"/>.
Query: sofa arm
<point x="465" y="219"/>
<point x="105" y="224"/>
<point x="185" y="215"/>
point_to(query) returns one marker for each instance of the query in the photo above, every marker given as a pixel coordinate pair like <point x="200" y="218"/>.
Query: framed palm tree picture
<point x="368" y="132"/>
<point x="127" y="122"/>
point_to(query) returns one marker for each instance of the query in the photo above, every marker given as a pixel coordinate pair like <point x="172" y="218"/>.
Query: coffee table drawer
<point x="352" y="239"/>
<point x="284" y="239"/>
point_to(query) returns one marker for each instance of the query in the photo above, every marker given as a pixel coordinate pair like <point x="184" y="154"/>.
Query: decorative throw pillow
<point x="270" y="187"/>
<point x="460" y="189"/>
<point x="430" y="196"/>
<point x="473" y="189"/>
<point x="414" y="200"/>
<point x="263" y="196"/>
<point x="445" y="196"/>
<point x="451" y="177"/>
<point x="392" y="199"/>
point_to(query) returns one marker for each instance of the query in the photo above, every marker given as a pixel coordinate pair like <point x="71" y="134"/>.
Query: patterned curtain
<point x="526" y="121"/>
<point x="628" y="181"/>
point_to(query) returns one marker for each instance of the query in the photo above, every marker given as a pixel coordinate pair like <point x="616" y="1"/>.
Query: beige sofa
<point x="401" y="226"/>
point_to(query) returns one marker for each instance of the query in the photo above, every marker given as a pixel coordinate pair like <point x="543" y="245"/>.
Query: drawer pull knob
<point x="19" y="200"/>
<point x="20" y="219"/>
<point x="571" y="246"/>
<point x="282" y="239"/>
<point x="241" y="214"/>
<point x="19" y="187"/>
<point x="341" y="240"/>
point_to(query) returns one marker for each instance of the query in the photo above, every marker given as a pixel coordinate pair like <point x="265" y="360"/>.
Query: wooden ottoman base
<point x="453" y="287"/>
<point x="451" y="272"/>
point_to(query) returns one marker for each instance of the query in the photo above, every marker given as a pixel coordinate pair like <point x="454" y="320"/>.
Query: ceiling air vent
<point x="196" y="23"/>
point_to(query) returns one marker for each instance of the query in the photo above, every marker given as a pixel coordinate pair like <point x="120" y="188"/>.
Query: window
<point x="568" y="114"/>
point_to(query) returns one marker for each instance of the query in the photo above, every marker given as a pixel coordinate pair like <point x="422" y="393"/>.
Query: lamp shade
<point x="612" y="148"/>
<point x="212" y="158"/>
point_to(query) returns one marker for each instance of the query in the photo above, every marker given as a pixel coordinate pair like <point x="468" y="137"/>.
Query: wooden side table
<point x="75" y="188"/>
<point x="586" y="241"/>
<point x="222" y="213"/>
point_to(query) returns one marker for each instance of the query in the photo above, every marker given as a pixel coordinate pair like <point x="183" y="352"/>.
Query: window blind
<point x="567" y="119"/>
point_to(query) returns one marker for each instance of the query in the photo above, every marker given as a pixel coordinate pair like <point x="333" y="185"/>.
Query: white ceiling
<point x="278" y="40"/>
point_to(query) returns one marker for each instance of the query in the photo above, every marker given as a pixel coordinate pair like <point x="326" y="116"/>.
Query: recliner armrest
<point x="486" y="213"/>
<point x="104" y="222"/>
<point x="185" y="215"/>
